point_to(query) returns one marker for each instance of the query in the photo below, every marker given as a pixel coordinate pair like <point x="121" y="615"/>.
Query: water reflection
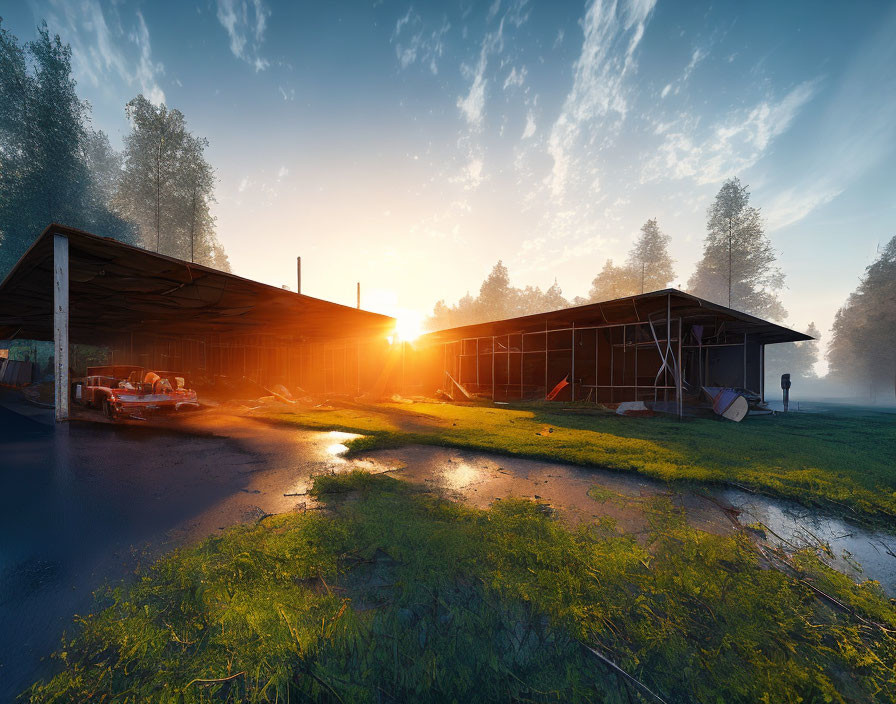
<point x="860" y="553"/>
<point x="337" y="447"/>
<point x="459" y="475"/>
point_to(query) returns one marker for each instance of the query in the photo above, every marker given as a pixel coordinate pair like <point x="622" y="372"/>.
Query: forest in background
<point x="55" y="167"/>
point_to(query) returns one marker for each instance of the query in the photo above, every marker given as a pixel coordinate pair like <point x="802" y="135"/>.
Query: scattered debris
<point x="634" y="408"/>
<point x="558" y="388"/>
<point x="728" y="403"/>
<point x="460" y="388"/>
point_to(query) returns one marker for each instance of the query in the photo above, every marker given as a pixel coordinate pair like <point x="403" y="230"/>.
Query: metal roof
<point x="116" y="288"/>
<point x="631" y="309"/>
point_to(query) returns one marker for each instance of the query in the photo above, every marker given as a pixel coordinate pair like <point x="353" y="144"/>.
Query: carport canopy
<point x="115" y="288"/>
<point x="72" y="286"/>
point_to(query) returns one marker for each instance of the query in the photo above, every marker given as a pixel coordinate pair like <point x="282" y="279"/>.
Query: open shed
<point x="157" y="311"/>
<point x="658" y="346"/>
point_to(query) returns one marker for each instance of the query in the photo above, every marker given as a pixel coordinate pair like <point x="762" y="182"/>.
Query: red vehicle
<point x="127" y="391"/>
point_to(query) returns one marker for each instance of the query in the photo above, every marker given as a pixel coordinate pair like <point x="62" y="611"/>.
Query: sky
<point x="409" y="146"/>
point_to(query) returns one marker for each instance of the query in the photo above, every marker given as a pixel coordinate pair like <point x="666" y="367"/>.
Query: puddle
<point x="860" y="553"/>
<point x="481" y="478"/>
<point x="337" y="446"/>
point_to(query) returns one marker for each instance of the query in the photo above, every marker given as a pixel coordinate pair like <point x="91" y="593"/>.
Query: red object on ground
<point x="558" y="388"/>
<point x="124" y="390"/>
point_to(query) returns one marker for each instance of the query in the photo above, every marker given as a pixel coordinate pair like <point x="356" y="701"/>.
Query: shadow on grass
<point x="395" y="595"/>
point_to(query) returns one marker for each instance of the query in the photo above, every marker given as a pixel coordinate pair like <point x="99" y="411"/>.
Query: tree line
<point x="738" y="269"/>
<point x="863" y="342"/>
<point x="55" y="167"/>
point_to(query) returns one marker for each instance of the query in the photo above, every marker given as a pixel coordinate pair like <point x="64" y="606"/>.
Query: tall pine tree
<point x="862" y="350"/>
<point x="649" y="258"/>
<point x="738" y="265"/>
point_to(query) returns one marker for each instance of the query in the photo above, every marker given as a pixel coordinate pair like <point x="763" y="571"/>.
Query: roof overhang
<point x="116" y="289"/>
<point x="631" y="309"/>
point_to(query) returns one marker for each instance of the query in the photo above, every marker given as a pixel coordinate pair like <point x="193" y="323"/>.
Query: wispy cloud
<point x="416" y="43"/>
<point x="472" y="105"/>
<point x="529" y="129"/>
<point x="147" y="69"/>
<point x="730" y="146"/>
<point x="245" y="22"/>
<point x="515" y="78"/>
<point x="100" y="46"/>
<point x="793" y="204"/>
<point x="857" y="129"/>
<point x="612" y="34"/>
<point x="675" y="86"/>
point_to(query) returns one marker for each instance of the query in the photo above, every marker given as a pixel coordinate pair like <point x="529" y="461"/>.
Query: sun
<point x="408" y="326"/>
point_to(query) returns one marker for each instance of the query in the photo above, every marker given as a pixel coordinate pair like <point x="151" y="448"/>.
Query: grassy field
<point x="394" y="595"/>
<point x="843" y="460"/>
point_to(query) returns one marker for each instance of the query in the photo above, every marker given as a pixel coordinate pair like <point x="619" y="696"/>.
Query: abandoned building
<point x="661" y="346"/>
<point x="159" y="312"/>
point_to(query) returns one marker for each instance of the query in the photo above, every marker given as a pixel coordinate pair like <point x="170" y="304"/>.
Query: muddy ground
<point x="86" y="504"/>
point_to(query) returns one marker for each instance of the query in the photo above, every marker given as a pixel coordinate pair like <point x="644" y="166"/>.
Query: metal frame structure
<point x="662" y="346"/>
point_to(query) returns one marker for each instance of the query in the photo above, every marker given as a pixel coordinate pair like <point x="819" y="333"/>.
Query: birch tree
<point x="148" y="193"/>
<point x="649" y="259"/>
<point x="738" y="265"/>
<point x="167" y="186"/>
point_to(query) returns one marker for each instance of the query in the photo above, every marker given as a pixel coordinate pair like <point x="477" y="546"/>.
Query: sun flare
<point x="408" y="326"/>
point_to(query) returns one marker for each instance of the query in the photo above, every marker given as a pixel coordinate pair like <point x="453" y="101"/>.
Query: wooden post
<point x="60" y="325"/>
<point x="745" y="360"/>
<point x="298" y="274"/>
<point x="359" y="295"/>
<point x="572" y="376"/>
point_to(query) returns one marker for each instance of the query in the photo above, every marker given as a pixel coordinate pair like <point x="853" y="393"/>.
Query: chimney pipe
<point x="298" y="274"/>
<point x="359" y="294"/>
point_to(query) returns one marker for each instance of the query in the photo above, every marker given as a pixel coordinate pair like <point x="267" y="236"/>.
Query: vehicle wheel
<point x="107" y="409"/>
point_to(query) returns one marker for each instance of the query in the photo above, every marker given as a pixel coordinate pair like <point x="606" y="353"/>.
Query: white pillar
<point x="60" y="324"/>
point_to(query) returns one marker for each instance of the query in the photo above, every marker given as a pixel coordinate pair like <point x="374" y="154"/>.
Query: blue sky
<point x="410" y="146"/>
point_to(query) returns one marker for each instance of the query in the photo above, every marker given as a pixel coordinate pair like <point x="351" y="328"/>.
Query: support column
<point x="493" y="367"/>
<point x="60" y="325"/>
<point x="679" y="383"/>
<point x="762" y="372"/>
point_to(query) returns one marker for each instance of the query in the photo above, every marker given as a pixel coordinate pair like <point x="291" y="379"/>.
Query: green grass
<point x="394" y="595"/>
<point x="844" y="460"/>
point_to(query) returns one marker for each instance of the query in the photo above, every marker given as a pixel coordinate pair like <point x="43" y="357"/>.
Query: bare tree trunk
<point x="159" y="198"/>
<point x="729" y="263"/>
<point x="193" y="225"/>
